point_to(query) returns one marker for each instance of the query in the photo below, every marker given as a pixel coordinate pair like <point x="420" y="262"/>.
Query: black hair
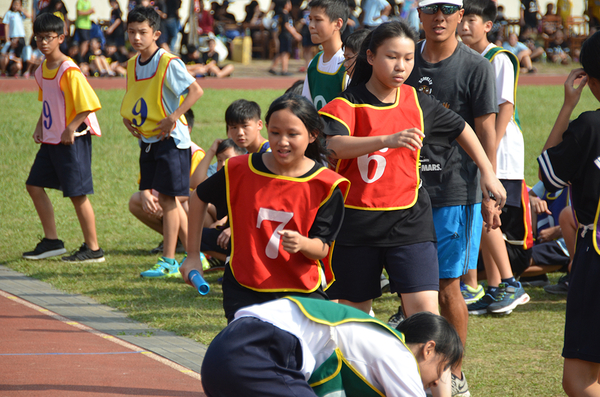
<point x="486" y="9"/>
<point x="241" y="111"/>
<point x="590" y="56"/>
<point x="389" y="30"/>
<point x="189" y="116"/>
<point x="145" y="14"/>
<point x="230" y="144"/>
<point x="48" y="23"/>
<point x="355" y="40"/>
<point x="296" y="88"/>
<point x="425" y="326"/>
<point x="334" y="9"/>
<point x="306" y="112"/>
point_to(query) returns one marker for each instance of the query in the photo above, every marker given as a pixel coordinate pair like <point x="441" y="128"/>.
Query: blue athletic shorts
<point x="67" y="168"/>
<point x="165" y="168"/>
<point x="458" y="230"/>
<point x="357" y="270"/>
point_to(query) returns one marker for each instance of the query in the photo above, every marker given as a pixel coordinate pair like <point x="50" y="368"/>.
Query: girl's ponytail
<point x="362" y="68"/>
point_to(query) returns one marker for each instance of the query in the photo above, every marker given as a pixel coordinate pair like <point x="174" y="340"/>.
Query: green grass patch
<point x="517" y="355"/>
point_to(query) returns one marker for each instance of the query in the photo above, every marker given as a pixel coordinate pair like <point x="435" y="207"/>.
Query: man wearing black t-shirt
<point x="464" y="82"/>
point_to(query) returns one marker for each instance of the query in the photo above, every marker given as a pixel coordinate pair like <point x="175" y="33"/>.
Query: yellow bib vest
<point x="143" y="104"/>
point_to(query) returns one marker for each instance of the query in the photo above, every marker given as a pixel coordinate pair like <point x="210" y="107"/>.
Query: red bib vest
<point x="260" y="205"/>
<point x="389" y="178"/>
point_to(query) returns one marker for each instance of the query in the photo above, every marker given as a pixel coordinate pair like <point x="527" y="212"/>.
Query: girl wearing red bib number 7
<point x="375" y="131"/>
<point x="284" y="208"/>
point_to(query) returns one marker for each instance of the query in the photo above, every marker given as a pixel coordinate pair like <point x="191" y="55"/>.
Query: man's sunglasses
<point x="447" y="9"/>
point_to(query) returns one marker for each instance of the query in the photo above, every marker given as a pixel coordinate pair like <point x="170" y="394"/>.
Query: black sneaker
<point x="535" y="281"/>
<point x="560" y="288"/>
<point x="46" y="249"/>
<point x="85" y="255"/>
<point x="180" y="249"/>
<point x="396" y="318"/>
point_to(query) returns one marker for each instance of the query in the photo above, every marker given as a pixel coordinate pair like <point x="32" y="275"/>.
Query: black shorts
<point x="67" y="168"/>
<point x="519" y="258"/>
<point x="285" y="43"/>
<point x="254" y="358"/>
<point x="550" y="253"/>
<point x="165" y="168"/>
<point x="236" y="296"/>
<point x="209" y="241"/>
<point x="306" y="40"/>
<point x="83" y="35"/>
<point x="513" y="227"/>
<point x="357" y="270"/>
<point x="583" y="303"/>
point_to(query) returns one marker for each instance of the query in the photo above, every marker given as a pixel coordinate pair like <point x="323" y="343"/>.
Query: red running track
<point x="282" y="83"/>
<point x="44" y="354"/>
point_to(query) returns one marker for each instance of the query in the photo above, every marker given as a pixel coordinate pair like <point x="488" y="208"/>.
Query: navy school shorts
<point x="357" y="269"/>
<point x="67" y="168"/>
<point x="254" y="358"/>
<point x="165" y="168"/>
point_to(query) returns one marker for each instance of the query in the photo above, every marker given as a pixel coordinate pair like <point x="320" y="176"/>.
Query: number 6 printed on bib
<point x="265" y="214"/>
<point x="363" y="166"/>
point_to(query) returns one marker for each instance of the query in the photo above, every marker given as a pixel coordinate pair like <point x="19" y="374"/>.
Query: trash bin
<point x="241" y="48"/>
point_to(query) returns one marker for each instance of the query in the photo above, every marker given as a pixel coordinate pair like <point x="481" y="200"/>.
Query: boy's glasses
<point x="47" y="39"/>
<point x="447" y="9"/>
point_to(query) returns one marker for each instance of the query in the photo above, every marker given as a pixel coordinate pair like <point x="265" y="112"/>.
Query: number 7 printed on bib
<point x="265" y="214"/>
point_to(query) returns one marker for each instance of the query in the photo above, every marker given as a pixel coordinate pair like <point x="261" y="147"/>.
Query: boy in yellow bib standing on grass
<point x="152" y="110"/>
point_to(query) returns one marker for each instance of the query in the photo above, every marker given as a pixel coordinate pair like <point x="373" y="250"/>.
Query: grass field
<point x="517" y="355"/>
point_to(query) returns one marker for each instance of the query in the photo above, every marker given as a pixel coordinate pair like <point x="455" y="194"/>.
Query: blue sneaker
<point x="508" y="298"/>
<point x="205" y="262"/>
<point x="471" y="294"/>
<point x="481" y="306"/>
<point x="162" y="269"/>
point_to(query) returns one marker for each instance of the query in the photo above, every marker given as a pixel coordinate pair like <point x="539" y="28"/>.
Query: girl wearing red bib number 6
<point x="284" y="208"/>
<point x="375" y="130"/>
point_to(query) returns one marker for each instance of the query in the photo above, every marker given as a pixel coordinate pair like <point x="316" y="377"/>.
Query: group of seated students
<point x="105" y="53"/>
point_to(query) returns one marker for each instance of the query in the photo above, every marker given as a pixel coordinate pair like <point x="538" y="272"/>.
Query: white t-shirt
<point x="14" y="20"/>
<point x="510" y="156"/>
<point x="377" y="355"/>
<point x="330" y="67"/>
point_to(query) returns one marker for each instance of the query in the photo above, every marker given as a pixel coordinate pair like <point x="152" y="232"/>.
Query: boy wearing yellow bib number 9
<point x="152" y="111"/>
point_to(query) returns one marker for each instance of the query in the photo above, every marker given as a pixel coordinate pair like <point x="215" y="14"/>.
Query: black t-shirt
<point x="465" y="83"/>
<point x="327" y="222"/>
<point x="530" y="11"/>
<point x="401" y="227"/>
<point x="576" y="162"/>
<point x="90" y="56"/>
<point x="173" y="7"/>
<point x="116" y="57"/>
<point x="208" y="57"/>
